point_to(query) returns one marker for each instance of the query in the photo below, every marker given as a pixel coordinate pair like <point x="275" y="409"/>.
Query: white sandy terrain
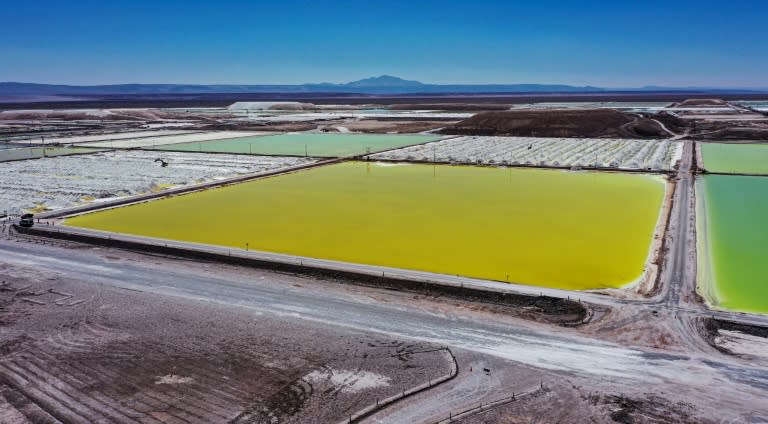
<point x="259" y="106"/>
<point x="312" y="116"/>
<point x="655" y="155"/>
<point x="347" y="381"/>
<point x="172" y="139"/>
<point x="59" y="182"/>
<point x="113" y="115"/>
<point x="166" y="125"/>
<point x="173" y="379"/>
<point x="703" y="109"/>
<point x="110" y="136"/>
<point x="756" y="105"/>
<point x="45" y="113"/>
<point x="414" y="114"/>
<point x="727" y="118"/>
<point x="742" y="344"/>
<point x="623" y="106"/>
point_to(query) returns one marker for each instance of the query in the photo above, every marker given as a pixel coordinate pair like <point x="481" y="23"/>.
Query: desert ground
<point x="114" y="327"/>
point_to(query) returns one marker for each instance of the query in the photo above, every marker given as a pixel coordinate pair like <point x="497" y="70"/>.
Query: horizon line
<point x="230" y="84"/>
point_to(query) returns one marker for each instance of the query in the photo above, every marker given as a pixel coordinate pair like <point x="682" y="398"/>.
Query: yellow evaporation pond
<point x="574" y="230"/>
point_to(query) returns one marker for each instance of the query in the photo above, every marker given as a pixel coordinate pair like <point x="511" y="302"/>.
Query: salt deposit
<point x="173" y="139"/>
<point x="760" y="105"/>
<point x="238" y="106"/>
<point x="742" y="343"/>
<point x="173" y="379"/>
<point x="651" y="107"/>
<point x="59" y="182"/>
<point x="313" y="116"/>
<point x="654" y="155"/>
<point x="347" y="381"/>
<point x="108" y="136"/>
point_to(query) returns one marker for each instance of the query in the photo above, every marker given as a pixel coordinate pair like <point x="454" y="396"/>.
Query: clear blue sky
<point x="602" y="43"/>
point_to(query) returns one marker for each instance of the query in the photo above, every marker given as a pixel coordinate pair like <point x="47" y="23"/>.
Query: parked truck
<point x="27" y="220"/>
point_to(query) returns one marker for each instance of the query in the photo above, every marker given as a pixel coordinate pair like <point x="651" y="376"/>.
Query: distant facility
<point x="270" y="106"/>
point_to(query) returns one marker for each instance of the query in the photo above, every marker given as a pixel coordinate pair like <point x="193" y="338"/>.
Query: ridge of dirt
<point x="594" y="123"/>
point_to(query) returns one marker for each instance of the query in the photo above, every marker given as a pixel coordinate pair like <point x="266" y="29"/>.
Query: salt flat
<point x="59" y="182"/>
<point x="652" y="155"/>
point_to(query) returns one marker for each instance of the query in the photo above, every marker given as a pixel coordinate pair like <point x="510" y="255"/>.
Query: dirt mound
<point x="702" y="103"/>
<point x="737" y="133"/>
<point x="559" y="123"/>
<point x="454" y="107"/>
<point x="672" y="122"/>
<point x="648" y="409"/>
<point x="292" y="106"/>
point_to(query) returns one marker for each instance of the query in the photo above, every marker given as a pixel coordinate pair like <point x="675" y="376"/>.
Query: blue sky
<point x="609" y="44"/>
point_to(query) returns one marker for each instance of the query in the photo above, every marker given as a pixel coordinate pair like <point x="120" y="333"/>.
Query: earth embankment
<point x="560" y="123"/>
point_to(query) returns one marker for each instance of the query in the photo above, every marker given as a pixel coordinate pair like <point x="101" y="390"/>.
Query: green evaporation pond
<point x="734" y="257"/>
<point x="735" y="158"/>
<point x="317" y="145"/>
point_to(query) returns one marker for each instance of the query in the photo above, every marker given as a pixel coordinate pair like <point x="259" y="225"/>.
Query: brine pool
<point x="735" y="158"/>
<point x="572" y="230"/>
<point x="732" y="240"/>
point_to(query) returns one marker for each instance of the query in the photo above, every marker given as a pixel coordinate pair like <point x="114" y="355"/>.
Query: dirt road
<point x="517" y="352"/>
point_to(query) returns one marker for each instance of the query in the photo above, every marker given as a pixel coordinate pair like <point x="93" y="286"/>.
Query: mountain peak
<point x="383" y="81"/>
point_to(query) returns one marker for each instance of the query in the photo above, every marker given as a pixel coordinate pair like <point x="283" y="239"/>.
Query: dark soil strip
<point x="712" y="326"/>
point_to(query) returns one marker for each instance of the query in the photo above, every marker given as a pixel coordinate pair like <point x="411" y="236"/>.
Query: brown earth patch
<point x="456" y="107"/>
<point x="559" y="123"/>
<point x="701" y="103"/>
<point x="126" y="356"/>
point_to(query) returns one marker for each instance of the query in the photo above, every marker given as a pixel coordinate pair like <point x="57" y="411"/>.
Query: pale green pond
<point x="733" y="241"/>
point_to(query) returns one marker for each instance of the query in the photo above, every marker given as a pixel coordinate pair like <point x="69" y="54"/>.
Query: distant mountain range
<point x="384" y="84"/>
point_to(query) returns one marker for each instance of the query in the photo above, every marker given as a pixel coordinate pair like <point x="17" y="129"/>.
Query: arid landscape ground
<point x="115" y="327"/>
